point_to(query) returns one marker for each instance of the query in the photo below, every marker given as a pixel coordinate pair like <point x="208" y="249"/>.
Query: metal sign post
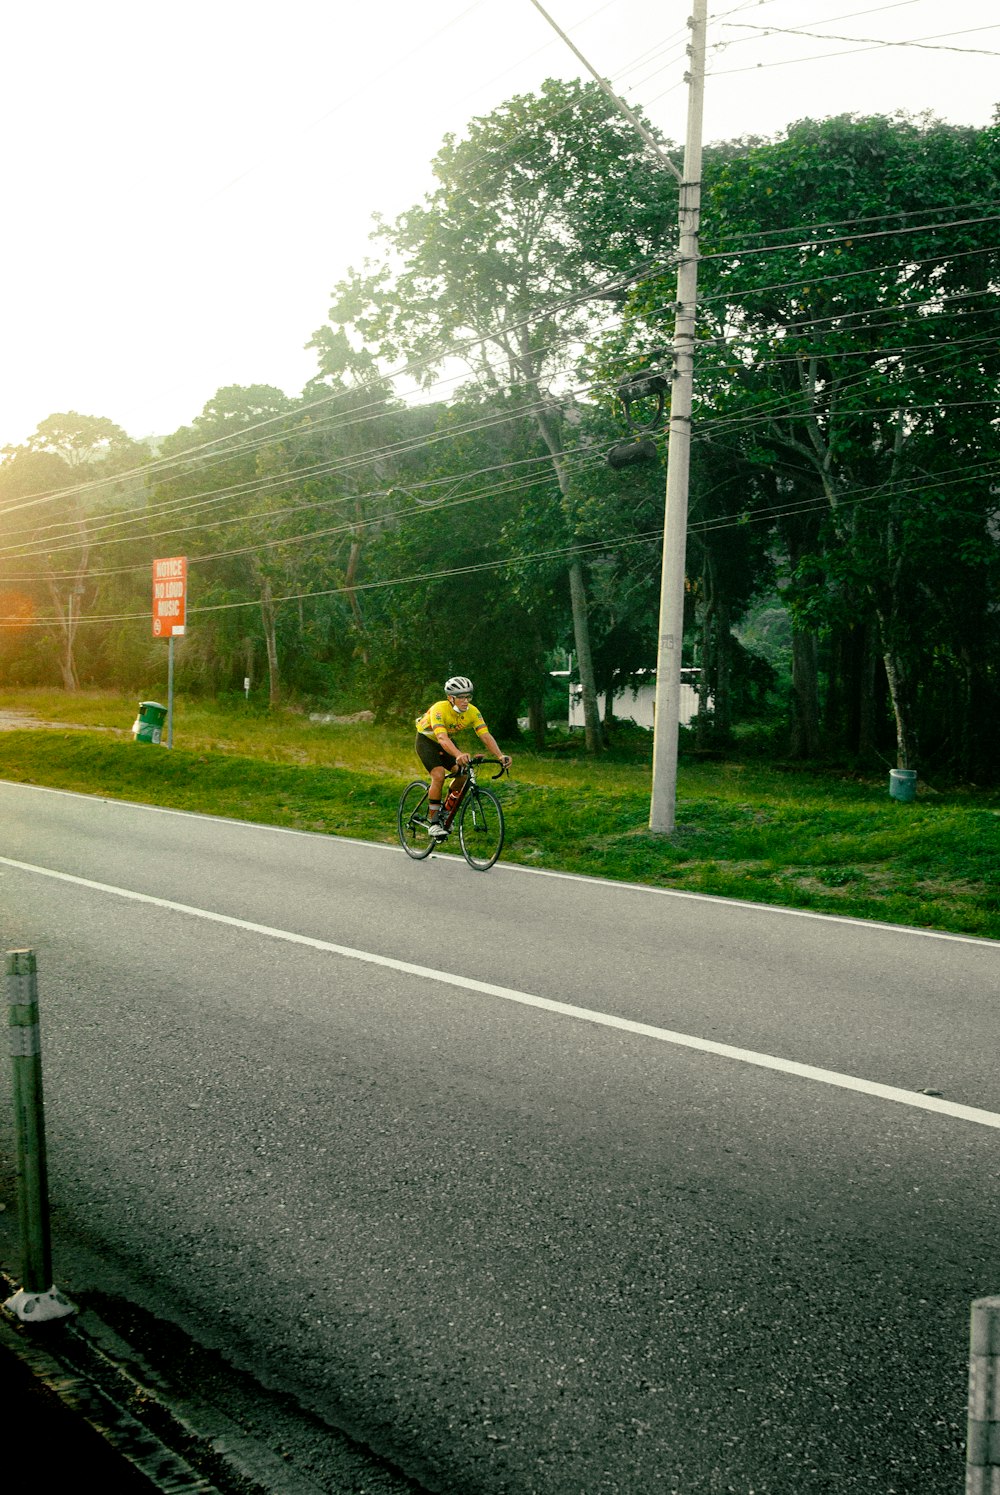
<point x="169" y="612"/>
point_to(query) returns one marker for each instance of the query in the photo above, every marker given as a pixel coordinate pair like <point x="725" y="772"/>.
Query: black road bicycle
<point x="476" y="809"/>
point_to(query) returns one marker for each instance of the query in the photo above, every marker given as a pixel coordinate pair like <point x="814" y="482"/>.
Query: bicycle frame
<point x="468" y="773"/>
<point x="463" y="779"/>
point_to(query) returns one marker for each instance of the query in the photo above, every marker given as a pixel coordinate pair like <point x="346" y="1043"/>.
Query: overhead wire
<point x="297" y="477"/>
<point x="848" y="237"/>
<point x="870" y="45"/>
<point x="381" y="518"/>
<point x="343" y="462"/>
<point x="286" y="479"/>
<point x="378" y="412"/>
<point x="813" y="227"/>
<point x="177" y="458"/>
<point x="929" y="43"/>
<point x="445" y="352"/>
<point x="767" y="513"/>
<point x="356" y="523"/>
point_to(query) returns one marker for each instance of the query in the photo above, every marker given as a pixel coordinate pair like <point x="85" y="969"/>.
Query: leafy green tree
<point x="216" y="497"/>
<point x="53" y="489"/>
<point x="457" y="578"/>
<point x="540" y="217"/>
<point x="853" y="355"/>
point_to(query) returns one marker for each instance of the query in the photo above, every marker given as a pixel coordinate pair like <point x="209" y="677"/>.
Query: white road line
<point x="779" y="909"/>
<point x="910" y="1098"/>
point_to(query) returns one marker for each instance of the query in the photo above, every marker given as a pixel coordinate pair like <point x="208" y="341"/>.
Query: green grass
<point x="773" y="834"/>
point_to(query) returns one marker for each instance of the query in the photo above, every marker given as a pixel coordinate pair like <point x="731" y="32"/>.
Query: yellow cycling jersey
<point x="442" y="719"/>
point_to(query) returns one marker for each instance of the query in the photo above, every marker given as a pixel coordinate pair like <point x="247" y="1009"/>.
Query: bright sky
<point x="185" y="184"/>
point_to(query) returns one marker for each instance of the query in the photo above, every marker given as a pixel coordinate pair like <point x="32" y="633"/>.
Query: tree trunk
<point x="69" y="615"/>
<point x="869" y="694"/>
<point x="703" y="723"/>
<point x="899" y="695"/>
<point x="536" y="720"/>
<point x="839" y="706"/>
<point x="806" y="737"/>
<point x="722" y="709"/>
<point x="593" y="736"/>
<point x="349" y="580"/>
<point x="889" y="613"/>
<point x="67" y="631"/>
<point x="71" y="680"/>
<point x="270" y="642"/>
<point x="577" y="588"/>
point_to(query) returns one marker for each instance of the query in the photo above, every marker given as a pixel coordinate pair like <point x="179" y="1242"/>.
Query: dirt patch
<point x="342" y="721"/>
<point x="23" y="721"/>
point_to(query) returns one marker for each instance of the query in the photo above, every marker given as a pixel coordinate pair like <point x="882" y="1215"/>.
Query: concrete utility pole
<point x="662" y="809"/>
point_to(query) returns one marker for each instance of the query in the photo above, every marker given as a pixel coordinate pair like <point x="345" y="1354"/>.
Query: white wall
<point x="635" y="702"/>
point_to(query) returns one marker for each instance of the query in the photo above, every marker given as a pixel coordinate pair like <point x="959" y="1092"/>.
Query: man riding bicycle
<point x="435" y="748"/>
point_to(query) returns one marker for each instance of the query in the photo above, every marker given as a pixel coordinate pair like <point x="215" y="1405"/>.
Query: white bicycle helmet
<point x="458" y="685"/>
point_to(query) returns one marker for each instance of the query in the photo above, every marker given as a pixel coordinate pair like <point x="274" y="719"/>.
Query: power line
<point x="294" y="479"/>
<point x="927" y="43"/>
<point x="239" y="437"/>
<point x="345" y="462"/>
<point x="829" y="56"/>
<point x="812" y="228"/>
<point x="849" y="498"/>
<point x="807" y="280"/>
<point x="443" y="353"/>
<point x="820" y="245"/>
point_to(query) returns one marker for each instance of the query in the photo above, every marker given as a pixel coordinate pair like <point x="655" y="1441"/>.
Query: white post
<point x="39" y="1299"/>
<point x="982" y="1447"/>
<point x="671" y="631"/>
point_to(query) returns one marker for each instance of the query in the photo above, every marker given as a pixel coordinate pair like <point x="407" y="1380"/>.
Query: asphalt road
<point x="535" y="1185"/>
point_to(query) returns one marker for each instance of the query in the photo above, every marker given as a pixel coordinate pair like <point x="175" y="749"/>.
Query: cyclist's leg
<point x="437" y="763"/>
<point x="436" y="795"/>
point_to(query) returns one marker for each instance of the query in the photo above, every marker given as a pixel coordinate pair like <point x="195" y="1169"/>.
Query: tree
<point x="541" y="217"/>
<point x="71" y="468"/>
<point x="854" y="356"/>
<point x="453" y="580"/>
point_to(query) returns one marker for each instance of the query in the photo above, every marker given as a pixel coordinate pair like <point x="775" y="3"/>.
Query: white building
<point x="635" y="700"/>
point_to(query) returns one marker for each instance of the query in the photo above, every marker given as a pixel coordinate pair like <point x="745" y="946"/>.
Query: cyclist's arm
<point x="444" y="741"/>
<point x="490" y="741"/>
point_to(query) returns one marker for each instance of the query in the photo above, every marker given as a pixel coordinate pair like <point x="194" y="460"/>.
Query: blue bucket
<point x="903" y="784"/>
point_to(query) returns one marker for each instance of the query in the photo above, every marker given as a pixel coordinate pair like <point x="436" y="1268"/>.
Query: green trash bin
<point x="148" y="725"/>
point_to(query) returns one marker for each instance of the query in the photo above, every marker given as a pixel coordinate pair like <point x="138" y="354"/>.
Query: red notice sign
<point x="169" y="596"/>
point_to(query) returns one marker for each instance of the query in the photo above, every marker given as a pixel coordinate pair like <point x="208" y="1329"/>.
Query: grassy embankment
<point x="771" y="834"/>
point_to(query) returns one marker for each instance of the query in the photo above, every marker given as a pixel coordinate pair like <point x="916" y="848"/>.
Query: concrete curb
<point x="173" y="1444"/>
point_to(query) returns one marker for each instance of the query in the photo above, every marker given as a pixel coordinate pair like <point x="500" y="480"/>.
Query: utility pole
<point x="662" y="809"/>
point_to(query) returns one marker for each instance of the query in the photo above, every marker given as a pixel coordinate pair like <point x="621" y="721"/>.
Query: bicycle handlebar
<point x="485" y="758"/>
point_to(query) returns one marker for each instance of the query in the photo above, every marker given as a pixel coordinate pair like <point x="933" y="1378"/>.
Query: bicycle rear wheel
<point x="481" y="828"/>
<point x="413" y="837"/>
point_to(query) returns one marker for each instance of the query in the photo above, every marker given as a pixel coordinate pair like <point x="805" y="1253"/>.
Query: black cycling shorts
<point x="432" y="756"/>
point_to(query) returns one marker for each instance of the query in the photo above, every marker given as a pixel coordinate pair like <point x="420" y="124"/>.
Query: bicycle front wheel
<point x="411" y="822"/>
<point x="480" y="828"/>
